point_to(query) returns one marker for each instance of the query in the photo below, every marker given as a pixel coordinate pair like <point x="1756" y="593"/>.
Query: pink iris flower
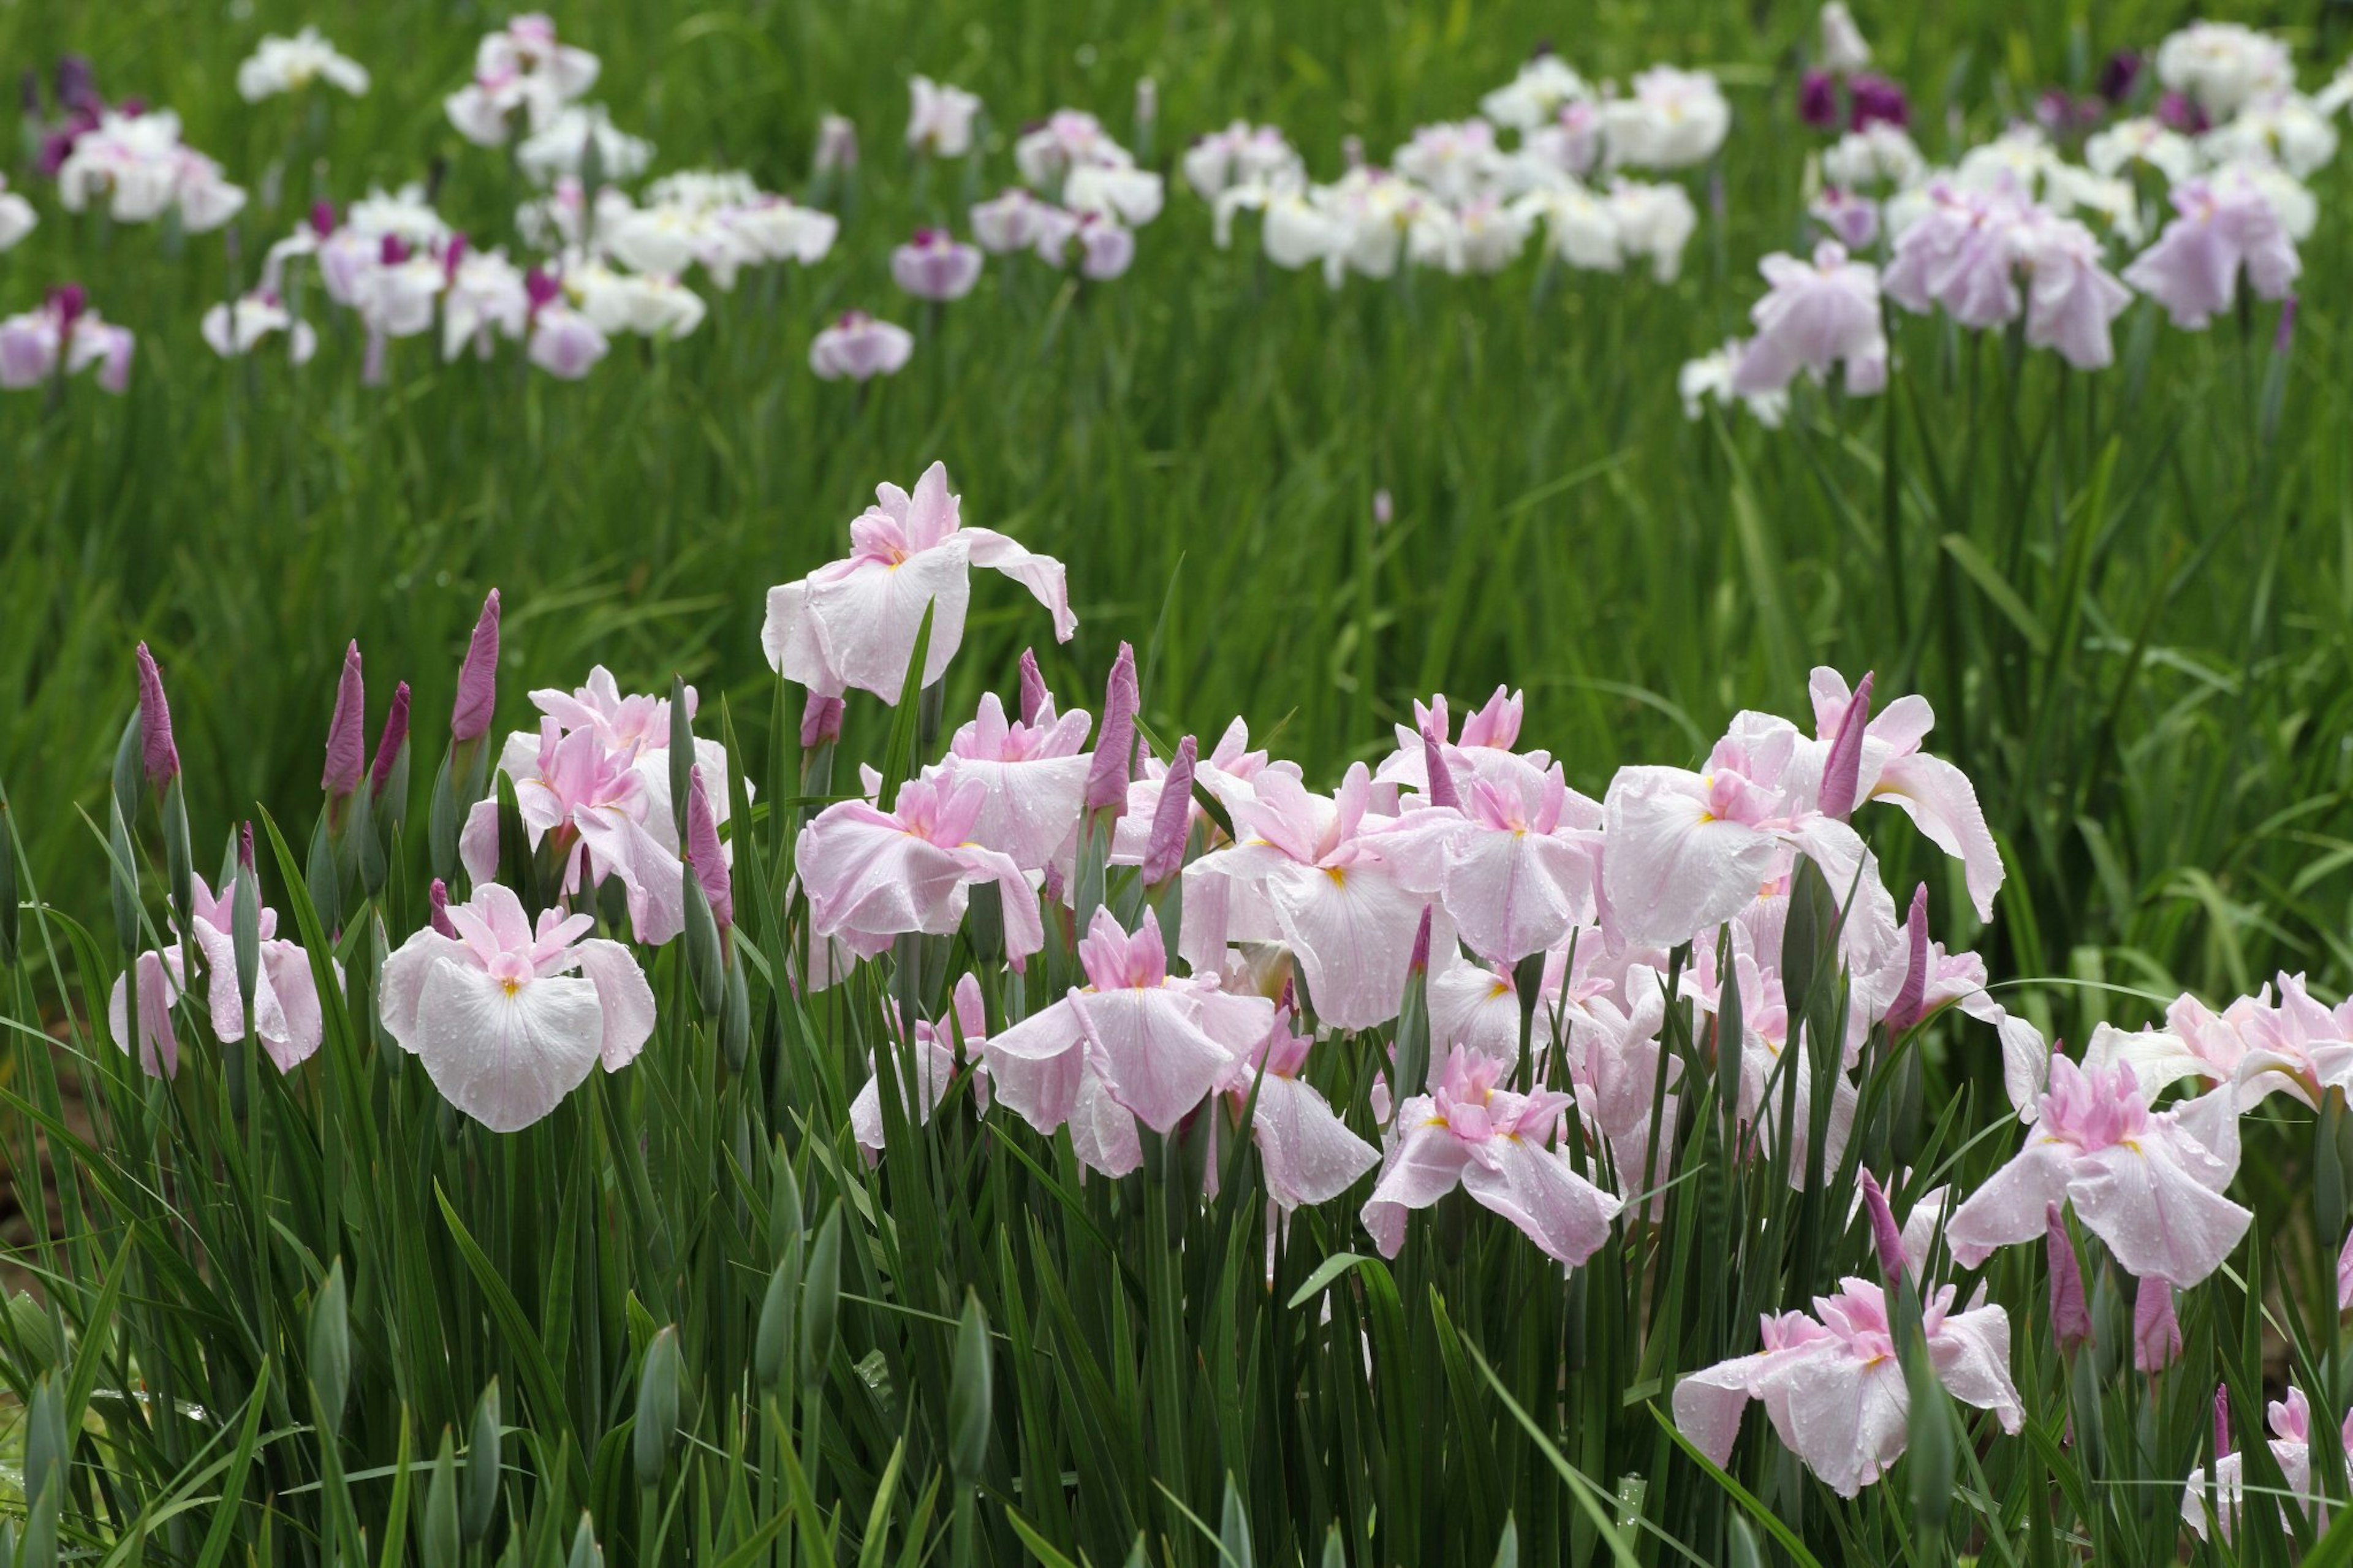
<point x="597" y="803"/>
<point x="1937" y="796"/>
<point x="1309" y="871"/>
<point x="932" y="265"/>
<point x="2256" y="1047"/>
<point x="1497" y="1146"/>
<point x="1833" y="1386"/>
<point x="853" y="623"/>
<point x="2141" y="1181"/>
<point x="936" y="1053"/>
<point x="2291" y="1443"/>
<point x="1686" y="851"/>
<point x="1959" y="255"/>
<point x="1515" y="864"/>
<point x="873" y="876"/>
<point x="1307" y="1153"/>
<point x="1034" y="774"/>
<point x="2223" y="224"/>
<point x="286" y="1016"/>
<point x="1821" y="312"/>
<point x="507" y="1019"/>
<point x="860" y="347"/>
<point x="1133" y="1044"/>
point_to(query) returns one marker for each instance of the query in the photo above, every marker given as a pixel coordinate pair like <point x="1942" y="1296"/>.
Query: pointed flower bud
<point x="1842" y="770"/>
<point x="1163" y="852"/>
<point x="1417" y="961"/>
<point x="2156" y="1332"/>
<point x="1887" y="1236"/>
<point x="2221" y="1420"/>
<point x="1441" y="791"/>
<point x="1115" y="739"/>
<point x="478" y="677"/>
<point x="392" y="743"/>
<point x="2070" y="1317"/>
<point x="820" y="721"/>
<point x="704" y="852"/>
<point x="245" y="849"/>
<point x="347" y="732"/>
<point x="155" y="748"/>
<point x="436" y="898"/>
<point x="1034" y="695"/>
<point x="1909" y="998"/>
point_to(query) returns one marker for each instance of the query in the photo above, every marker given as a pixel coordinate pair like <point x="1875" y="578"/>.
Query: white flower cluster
<point x="1455" y="198"/>
<point x="134" y="167"/>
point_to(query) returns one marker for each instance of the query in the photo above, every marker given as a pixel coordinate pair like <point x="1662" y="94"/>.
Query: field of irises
<point x="1174" y="784"/>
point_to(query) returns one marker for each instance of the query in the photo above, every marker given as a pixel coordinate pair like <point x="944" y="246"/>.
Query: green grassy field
<point x="2129" y="595"/>
<point x="2146" y="673"/>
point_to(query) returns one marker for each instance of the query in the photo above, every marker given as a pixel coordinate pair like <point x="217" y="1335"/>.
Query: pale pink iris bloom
<point x="595" y="800"/>
<point x="1937" y="796"/>
<point x="1308" y="871"/>
<point x="873" y="876"/>
<point x="1106" y="249"/>
<point x="64" y="336"/>
<point x="1306" y="1153"/>
<point x="2256" y="1047"/>
<point x="2291" y="1445"/>
<point x="1497" y="1146"/>
<point x="1134" y="1044"/>
<point x="1820" y="312"/>
<point x="1020" y="221"/>
<point x="935" y="1054"/>
<point x="1515" y="864"/>
<point x="2070" y="298"/>
<point x="853" y="624"/>
<point x="636" y="726"/>
<point x="2222" y="224"/>
<point x="286" y="1016"/>
<point x="507" y="1019"/>
<point x="932" y="265"/>
<point x="1685" y="852"/>
<point x="520" y="72"/>
<point x="2141" y="1181"/>
<point x="1766" y="1074"/>
<point x="940" y="117"/>
<point x="1228" y="774"/>
<point x="1034" y="774"/>
<point x="1832" y="1383"/>
<point x="1958" y="254"/>
<point x="858" y="347"/>
<point x="237" y="328"/>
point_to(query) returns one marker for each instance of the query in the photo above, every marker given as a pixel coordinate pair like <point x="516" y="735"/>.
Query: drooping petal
<point x="294" y="996"/>
<point x="867" y="618"/>
<point x="506" y="1056"/>
<point x="1034" y="1066"/>
<point x="1971" y="1353"/>
<point x="1042" y="574"/>
<point x="1709" y="1404"/>
<point x="1351" y="929"/>
<point x="1308" y="1153"/>
<point x="1533" y="1187"/>
<point x="1939" y="798"/>
<point x="2158" y="1219"/>
<point x="2011" y="1205"/>
<point x="624" y="995"/>
<point x="1424" y="1164"/>
<point x="1157" y="1061"/>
